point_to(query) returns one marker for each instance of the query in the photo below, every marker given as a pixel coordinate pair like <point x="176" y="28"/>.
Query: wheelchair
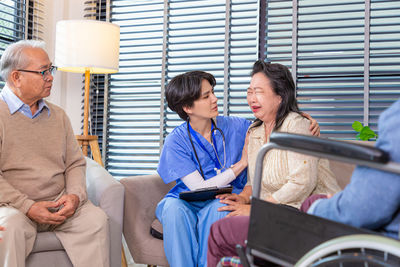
<point x="282" y="236"/>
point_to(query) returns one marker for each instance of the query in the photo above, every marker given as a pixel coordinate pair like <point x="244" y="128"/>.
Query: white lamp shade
<point x="87" y="45"/>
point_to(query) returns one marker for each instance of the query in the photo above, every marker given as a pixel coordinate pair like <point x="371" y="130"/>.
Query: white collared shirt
<point x="15" y="104"/>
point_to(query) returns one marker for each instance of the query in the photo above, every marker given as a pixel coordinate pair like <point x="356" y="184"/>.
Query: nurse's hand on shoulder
<point x="314" y="126"/>
<point x="236" y="209"/>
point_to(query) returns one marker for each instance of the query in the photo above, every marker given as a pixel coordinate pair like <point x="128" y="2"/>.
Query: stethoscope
<point x="219" y="166"/>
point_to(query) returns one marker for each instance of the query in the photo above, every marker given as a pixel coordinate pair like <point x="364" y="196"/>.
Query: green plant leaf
<point x="366" y="133"/>
<point x="357" y="126"/>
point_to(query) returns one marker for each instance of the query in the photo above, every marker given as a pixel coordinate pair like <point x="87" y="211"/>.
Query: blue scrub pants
<point x="186" y="226"/>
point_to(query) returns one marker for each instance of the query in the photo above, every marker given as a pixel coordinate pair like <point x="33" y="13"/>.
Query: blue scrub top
<point x="178" y="159"/>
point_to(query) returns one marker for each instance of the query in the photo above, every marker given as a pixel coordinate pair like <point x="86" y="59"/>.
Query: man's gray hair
<point x="13" y="58"/>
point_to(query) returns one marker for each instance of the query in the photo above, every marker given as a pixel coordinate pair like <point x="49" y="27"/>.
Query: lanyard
<point x="193" y="133"/>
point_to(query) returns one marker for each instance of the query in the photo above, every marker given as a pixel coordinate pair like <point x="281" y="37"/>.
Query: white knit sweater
<point x="289" y="177"/>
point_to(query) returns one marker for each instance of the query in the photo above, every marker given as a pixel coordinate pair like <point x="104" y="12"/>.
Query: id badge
<point x="218" y="171"/>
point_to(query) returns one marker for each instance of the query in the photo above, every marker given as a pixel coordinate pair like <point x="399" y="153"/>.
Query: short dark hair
<point x="283" y="85"/>
<point x="184" y="89"/>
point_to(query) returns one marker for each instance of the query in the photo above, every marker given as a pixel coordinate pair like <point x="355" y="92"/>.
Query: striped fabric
<point x="230" y="262"/>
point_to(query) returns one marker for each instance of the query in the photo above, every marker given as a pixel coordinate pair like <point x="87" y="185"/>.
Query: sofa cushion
<point x="46" y="241"/>
<point x="342" y="172"/>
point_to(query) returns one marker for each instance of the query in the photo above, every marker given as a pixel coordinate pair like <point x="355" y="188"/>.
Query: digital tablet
<point x="205" y="193"/>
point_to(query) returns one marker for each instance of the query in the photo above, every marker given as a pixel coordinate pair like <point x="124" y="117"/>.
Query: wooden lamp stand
<point x="86" y="139"/>
<point x="92" y="140"/>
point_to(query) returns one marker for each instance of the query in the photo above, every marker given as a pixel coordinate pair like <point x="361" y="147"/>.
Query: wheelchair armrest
<point x="329" y="146"/>
<point x="324" y="148"/>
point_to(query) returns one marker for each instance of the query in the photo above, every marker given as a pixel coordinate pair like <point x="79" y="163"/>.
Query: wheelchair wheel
<point x="354" y="250"/>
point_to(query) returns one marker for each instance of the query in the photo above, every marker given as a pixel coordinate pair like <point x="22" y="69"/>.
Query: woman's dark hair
<point x="184" y="89"/>
<point x="283" y="85"/>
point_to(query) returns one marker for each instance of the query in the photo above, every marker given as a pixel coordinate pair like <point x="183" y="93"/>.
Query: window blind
<point x="384" y="82"/>
<point x="243" y="52"/>
<point x="330" y="63"/>
<point x="324" y="44"/>
<point x="160" y="40"/>
<point x="20" y="19"/>
<point x="196" y="41"/>
<point x="344" y="57"/>
<point x="95" y="10"/>
<point x="133" y="140"/>
<point x="12" y="24"/>
<point x="228" y="52"/>
<point x="35" y="19"/>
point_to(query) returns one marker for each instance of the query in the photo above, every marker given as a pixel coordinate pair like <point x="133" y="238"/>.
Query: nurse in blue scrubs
<point x="204" y="151"/>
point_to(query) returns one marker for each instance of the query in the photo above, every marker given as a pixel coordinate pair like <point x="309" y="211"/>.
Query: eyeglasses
<point x="44" y="73"/>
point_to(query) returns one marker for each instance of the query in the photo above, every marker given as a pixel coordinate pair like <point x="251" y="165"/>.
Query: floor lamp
<point x="89" y="47"/>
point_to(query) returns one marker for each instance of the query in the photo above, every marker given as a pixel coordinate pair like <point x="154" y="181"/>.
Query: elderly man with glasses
<point x="42" y="169"/>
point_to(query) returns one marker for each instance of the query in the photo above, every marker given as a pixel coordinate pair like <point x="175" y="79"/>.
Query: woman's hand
<point x="233" y="197"/>
<point x="314" y="126"/>
<point x="235" y="208"/>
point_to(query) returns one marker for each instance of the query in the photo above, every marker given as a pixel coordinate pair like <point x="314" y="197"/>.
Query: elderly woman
<point x="288" y="177"/>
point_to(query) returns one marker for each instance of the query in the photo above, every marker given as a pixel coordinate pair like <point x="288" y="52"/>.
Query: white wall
<point x="67" y="87"/>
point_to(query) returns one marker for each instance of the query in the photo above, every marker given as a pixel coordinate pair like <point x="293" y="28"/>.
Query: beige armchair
<point x="142" y="193"/>
<point x="105" y="192"/>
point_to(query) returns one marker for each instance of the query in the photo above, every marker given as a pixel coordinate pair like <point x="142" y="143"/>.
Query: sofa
<point x="142" y="193"/>
<point x="105" y="192"/>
